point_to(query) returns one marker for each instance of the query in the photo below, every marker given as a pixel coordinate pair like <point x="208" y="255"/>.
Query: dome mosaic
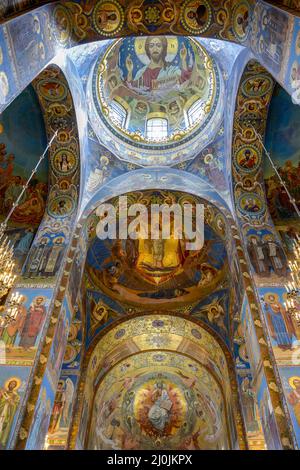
<point x="155" y="94"/>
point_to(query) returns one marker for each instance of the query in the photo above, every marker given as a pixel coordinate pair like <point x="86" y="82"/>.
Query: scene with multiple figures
<point x="149" y="225"/>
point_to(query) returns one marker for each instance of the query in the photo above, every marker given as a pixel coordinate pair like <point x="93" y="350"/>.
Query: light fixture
<point x="9" y="312"/>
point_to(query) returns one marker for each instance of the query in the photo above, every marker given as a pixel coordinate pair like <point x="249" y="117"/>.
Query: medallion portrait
<point x="241" y="20"/>
<point x="61" y="206"/>
<point x="62" y="23"/>
<point x="108" y="17"/>
<point x="70" y="354"/>
<point x="64" y="161"/>
<point x="52" y="90"/>
<point x="251" y="203"/>
<point x="247" y="158"/>
<point x="257" y="86"/>
<point x="196" y="16"/>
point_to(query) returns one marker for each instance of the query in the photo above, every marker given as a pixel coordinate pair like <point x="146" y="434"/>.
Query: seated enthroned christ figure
<point x="158" y="73"/>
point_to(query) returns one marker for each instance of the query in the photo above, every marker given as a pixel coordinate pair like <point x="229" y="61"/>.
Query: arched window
<point x="195" y="112"/>
<point x="118" y="113"/>
<point x="157" y="128"/>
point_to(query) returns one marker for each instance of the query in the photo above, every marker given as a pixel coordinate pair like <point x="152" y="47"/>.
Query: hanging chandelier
<point x="9" y="311"/>
<point x="7" y="266"/>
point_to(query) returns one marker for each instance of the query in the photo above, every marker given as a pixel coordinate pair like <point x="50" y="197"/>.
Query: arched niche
<point x="250" y="118"/>
<point x="133" y="341"/>
<point x="122" y="277"/>
<point x="64" y="163"/>
<point x="46" y="260"/>
<point x="52" y="196"/>
<point x="260" y="237"/>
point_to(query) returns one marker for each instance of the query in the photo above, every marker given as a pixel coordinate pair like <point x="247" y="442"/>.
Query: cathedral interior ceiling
<point x="135" y="383"/>
<point x="260" y="204"/>
<point x="133" y="357"/>
<point x="129" y="354"/>
<point x="59" y="25"/>
<point x="207" y="165"/>
<point x="129" y="276"/>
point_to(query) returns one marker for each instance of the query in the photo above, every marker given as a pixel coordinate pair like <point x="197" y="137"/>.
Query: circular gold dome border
<point x="117" y="27"/>
<point x="189" y="27"/>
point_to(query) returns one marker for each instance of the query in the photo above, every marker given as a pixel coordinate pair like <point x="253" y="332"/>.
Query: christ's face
<point x="297" y="384"/>
<point x="155" y="49"/>
<point x="12" y="385"/>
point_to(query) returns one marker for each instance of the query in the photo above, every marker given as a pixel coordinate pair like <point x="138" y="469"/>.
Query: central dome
<point x="155" y="94"/>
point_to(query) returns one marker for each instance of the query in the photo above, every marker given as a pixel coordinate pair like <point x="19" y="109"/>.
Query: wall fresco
<point x="22" y="337"/>
<point x="214" y="310"/>
<point x="139" y="273"/>
<point x="263" y="242"/>
<point x="284" y="333"/>
<point x="267" y="415"/>
<point x="12" y="389"/>
<point x="22" y="142"/>
<point x="282" y="141"/>
<point x="291" y="384"/>
<point x="131" y="337"/>
<point x="269" y="37"/>
<point x="248" y="367"/>
<point x="292" y="76"/>
<point x="65" y="396"/>
<point x="148" y="409"/>
<point x="283" y="147"/>
<point x="41" y="417"/>
<point x="261" y="239"/>
<point x="42" y="412"/>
